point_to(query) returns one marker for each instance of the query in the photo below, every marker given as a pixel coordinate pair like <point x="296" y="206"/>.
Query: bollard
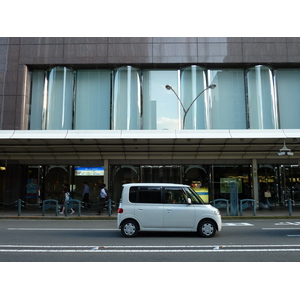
<point x="19" y="207"/>
<point x="290" y="206"/>
<point x="234" y="198"/>
<point x="109" y="207"/>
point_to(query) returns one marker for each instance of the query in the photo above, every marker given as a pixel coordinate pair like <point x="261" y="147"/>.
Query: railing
<point x="74" y="204"/>
<point x="242" y="204"/>
<point x="50" y="203"/>
<point x="247" y="203"/>
<point x="219" y="203"/>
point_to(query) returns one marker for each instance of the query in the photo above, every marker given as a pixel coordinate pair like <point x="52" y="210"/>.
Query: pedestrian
<point x="264" y="196"/>
<point x="66" y="195"/>
<point x="102" y="197"/>
<point x="86" y="194"/>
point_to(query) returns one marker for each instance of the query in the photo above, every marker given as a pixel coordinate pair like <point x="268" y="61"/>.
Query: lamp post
<point x="169" y="87"/>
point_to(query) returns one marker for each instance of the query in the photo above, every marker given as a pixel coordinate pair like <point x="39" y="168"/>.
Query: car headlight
<point x="217" y="212"/>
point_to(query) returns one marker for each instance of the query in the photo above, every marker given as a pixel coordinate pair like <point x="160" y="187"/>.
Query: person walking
<point x="264" y="197"/>
<point x="86" y="195"/>
<point x="102" y="197"/>
<point x="66" y="194"/>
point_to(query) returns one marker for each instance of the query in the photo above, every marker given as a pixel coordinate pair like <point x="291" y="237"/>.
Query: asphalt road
<point x="100" y="241"/>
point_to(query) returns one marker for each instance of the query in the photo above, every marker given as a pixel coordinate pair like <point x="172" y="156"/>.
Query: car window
<point x="133" y="194"/>
<point x="195" y="198"/>
<point x="149" y="195"/>
<point x="175" y="196"/>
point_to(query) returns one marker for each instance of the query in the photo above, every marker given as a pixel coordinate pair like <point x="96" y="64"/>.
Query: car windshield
<point x="196" y="199"/>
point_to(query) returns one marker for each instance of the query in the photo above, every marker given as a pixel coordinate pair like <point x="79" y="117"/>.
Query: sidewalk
<point x="91" y="214"/>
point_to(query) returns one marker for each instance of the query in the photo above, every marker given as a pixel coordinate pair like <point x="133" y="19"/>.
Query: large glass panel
<point x="261" y="100"/>
<point x="37" y="100"/>
<point x="170" y="174"/>
<point x="228" y="106"/>
<point x="193" y="82"/>
<point x="122" y="174"/>
<point x="92" y="104"/>
<point x="288" y="83"/>
<point x="60" y="99"/>
<point x="160" y="107"/>
<point x="126" y="99"/>
<point x="268" y="176"/>
<point x="93" y="181"/>
<point x="55" y="178"/>
<point x="33" y="184"/>
<point x="224" y="174"/>
<point x="197" y="176"/>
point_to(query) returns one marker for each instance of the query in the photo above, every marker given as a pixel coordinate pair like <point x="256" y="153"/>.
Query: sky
<point x="156" y="18"/>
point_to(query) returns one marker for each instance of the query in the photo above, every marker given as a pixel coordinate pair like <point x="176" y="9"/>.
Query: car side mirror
<point x="189" y="201"/>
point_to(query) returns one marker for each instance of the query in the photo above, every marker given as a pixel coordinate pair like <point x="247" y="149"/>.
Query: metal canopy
<point x="74" y="146"/>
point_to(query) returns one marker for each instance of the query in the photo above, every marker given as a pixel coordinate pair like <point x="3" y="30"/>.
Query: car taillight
<point x="120" y="210"/>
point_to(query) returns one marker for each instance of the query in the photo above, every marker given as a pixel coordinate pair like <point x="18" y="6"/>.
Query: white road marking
<point x="285" y="228"/>
<point x="61" y="229"/>
<point x="287" y="223"/>
<point x="237" y="224"/>
<point x="150" y="249"/>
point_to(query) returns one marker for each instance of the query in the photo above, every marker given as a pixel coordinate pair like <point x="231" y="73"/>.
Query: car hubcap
<point x="129" y="229"/>
<point x="207" y="229"/>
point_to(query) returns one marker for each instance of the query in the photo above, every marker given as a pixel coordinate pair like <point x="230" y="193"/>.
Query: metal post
<point x="290" y="206"/>
<point x="234" y="198"/>
<point x="109" y="207"/>
<point x="19" y="207"/>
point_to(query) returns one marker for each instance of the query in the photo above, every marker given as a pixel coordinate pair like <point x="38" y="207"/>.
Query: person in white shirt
<point x="86" y="194"/>
<point x="102" y="197"/>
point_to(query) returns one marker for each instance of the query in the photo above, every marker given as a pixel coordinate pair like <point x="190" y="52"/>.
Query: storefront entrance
<point x="209" y="181"/>
<point x="283" y="181"/>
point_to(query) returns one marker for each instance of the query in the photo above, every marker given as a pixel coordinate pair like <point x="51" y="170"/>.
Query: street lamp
<point x="169" y="87"/>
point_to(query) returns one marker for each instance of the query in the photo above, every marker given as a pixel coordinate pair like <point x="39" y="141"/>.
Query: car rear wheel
<point x="129" y="228"/>
<point x="207" y="228"/>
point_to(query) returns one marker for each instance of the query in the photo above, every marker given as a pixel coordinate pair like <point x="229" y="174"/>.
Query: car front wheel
<point x="207" y="228"/>
<point x="129" y="228"/>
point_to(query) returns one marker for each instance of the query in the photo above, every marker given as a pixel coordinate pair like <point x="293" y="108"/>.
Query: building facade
<point x="98" y="110"/>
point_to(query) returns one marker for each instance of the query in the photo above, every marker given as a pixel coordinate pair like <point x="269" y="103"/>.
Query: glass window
<point x="261" y="99"/>
<point x="126" y="99"/>
<point x="224" y="174"/>
<point x="149" y="195"/>
<point x="160" y="106"/>
<point x="175" y="196"/>
<point x="60" y="99"/>
<point x="192" y="83"/>
<point x="228" y="106"/>
<point x="195" y="198"/>
<point x="37" y="99"/>
<point x="92" y="104"/>
<point x="288" y="84"/>
<point x="133" y="194"/>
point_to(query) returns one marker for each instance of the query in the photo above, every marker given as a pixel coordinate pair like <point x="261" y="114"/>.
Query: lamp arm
<point x="179" y="100"/>
<point x="196" y="99"/>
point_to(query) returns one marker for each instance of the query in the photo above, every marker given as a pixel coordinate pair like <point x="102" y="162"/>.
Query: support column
<point x="106" y="172"/>
<point x="255" y="180"/>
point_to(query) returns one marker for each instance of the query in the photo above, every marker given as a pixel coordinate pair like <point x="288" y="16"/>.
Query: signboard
<point x="225" y="184"/>
<point x="89" y="171"/>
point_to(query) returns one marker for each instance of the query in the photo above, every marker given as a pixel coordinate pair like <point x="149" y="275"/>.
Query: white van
<point x="165" y="207"/>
